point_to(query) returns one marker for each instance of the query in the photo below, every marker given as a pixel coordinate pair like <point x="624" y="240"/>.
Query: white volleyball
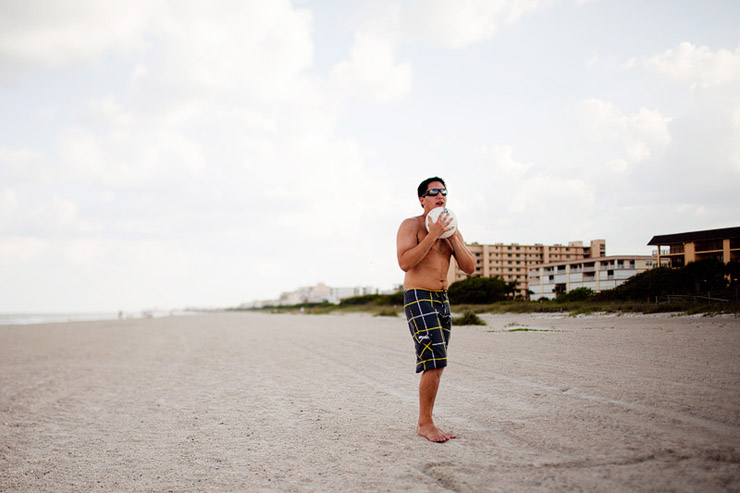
<point x="434" y="214"/>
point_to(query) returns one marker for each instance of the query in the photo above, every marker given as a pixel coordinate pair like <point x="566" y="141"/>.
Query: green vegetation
<point x="525" y="329"/>
<point x="387" y="312"/>
<point x="706" y="286"/>
<point x="477" y="291"/>
<point x="696" y="279"/>
<point x="395" y="299"/>
<point x="468" y="318"/>
<point x="578" y="294"/>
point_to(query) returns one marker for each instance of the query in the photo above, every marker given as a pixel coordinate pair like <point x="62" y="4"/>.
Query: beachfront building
<point x="512" y="262"/>
<point x="597" y="274"/>
<point x="320" y="293"/>
<point x="682" y="248"/>
<point x="338" y="294"/>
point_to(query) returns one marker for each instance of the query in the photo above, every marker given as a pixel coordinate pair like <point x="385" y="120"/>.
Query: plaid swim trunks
<point x="428" y="315"/>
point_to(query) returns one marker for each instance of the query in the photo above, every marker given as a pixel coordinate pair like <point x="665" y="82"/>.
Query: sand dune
<point x="258" y="402"/>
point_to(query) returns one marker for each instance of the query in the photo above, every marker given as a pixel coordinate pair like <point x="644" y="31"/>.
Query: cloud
<point x="515" y="201"/>
<point x="461" y="23"/>
<point x="640" y="135"/>
<point x="256" y="48"/>
<point x="253" y="47"/>
<point x="37" y="34"/>
<point x="26" y="214"/>
<point x="698" y="65"/>
<point x="714" y="79"/>
<point x="16" y="250"/>
<point x="22" y="164"/>
<point x="502" y="160"/>
<point x="371" y="71"/>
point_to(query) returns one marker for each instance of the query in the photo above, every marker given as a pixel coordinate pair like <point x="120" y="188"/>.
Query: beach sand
<point x="261" y="402"/>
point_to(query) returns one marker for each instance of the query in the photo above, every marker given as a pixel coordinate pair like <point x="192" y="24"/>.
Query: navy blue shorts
<point x="428" y="314"/>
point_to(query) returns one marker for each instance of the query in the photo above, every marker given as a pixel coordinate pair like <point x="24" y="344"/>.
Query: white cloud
<point x="255" y="48"/>
<point x="22" y="164"/>
<point x="503" y="161"/>
<point x="252" y="47"/>
<point x="372" y="72"/>
<point x="111" y="112"/>
<point x="552" y="195"/>
<point x="460" y="23"/>
<point x="698" y="65"/>
<point x="40" y="34"/>
<point x="23" y="213"/>
<point x="641" y="134"/>
<point x="80" y="152"/>
<point x="711" y="127"/>
<point x="19" y="249"/>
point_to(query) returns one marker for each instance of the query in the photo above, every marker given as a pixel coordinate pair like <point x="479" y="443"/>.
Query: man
<point x="425" y="257"/>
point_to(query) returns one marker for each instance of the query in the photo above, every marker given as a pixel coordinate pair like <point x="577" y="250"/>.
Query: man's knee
<point x="433" y="373"/>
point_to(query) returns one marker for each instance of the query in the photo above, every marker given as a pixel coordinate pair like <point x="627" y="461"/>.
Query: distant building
<point x="338" y="294"/>
<point x="319" y="293"/>
<point x="309" y="294"/>
<point x="682" y="248"/>
<point x="597" y="274"/>
<point x="512" y="262"/>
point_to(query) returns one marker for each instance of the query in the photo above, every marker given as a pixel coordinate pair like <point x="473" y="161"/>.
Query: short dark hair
<point x="423" y="185"/>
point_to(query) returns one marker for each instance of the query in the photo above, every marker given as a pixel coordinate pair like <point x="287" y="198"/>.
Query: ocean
<point x="48" y="318"/>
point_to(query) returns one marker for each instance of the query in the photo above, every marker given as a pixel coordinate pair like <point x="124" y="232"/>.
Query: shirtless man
<point x="425" y="257"/>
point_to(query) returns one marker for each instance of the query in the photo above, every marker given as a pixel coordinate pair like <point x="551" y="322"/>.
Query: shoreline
<point x="71" y="317"/>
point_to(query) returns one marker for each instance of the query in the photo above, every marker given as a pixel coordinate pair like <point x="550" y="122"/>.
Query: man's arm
<point x="463" y="255"/>
<point x="410" y="251"/>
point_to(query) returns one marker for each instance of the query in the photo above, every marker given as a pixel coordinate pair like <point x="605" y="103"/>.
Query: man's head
<point x="432" y="193"/>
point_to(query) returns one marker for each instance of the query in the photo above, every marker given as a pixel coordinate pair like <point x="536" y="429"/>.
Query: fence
<point x="709" y="297"/>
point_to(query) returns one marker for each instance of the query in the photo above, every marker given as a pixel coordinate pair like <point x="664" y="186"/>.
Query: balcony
<point x="708" y="246"/>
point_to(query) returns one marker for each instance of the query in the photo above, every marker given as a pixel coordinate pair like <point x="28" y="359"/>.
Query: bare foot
<point x="433" y="434"/>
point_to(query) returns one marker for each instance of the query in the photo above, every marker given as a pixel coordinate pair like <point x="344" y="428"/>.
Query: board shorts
<point x="428" y="315"/>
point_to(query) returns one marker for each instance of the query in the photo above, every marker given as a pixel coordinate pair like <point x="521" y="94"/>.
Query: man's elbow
<point x="468" y="267"/>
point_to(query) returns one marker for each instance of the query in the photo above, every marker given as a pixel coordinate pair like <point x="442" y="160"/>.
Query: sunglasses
<point x="433" y="192"/>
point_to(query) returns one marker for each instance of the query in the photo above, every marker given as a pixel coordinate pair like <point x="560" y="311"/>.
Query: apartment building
<point x="511" y="262"/>
<point x="597" y="274"/>
<point x="682" y="248"/>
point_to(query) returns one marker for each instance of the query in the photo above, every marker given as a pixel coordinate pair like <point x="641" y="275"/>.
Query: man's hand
<point x="441" y="225"/>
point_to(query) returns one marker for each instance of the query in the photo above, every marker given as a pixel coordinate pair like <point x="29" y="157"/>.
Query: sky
<point x="161" y="154"/>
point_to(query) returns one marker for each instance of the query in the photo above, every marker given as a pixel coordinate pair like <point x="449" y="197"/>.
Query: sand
<point x="261" y="402"/>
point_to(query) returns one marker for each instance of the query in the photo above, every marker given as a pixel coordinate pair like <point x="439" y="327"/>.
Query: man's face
<point x="429" y="202"/>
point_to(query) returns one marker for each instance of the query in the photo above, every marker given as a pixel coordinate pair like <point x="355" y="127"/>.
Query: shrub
<point x="468" y="318"/>
<point x="578" y="294"/>
<point x="477" y="291"/>
<point x="697" y="277"/>
<point x="386" y="312"/>
<point x="395" y="299"/>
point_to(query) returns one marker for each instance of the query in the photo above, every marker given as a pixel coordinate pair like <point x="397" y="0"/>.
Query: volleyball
<point x="434" y="214"/>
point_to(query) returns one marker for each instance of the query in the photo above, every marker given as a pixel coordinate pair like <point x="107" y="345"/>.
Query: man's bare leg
<point x="428" y="386"/>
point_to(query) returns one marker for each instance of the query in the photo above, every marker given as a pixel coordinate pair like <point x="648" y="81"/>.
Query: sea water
<point x="48" y="318"/>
